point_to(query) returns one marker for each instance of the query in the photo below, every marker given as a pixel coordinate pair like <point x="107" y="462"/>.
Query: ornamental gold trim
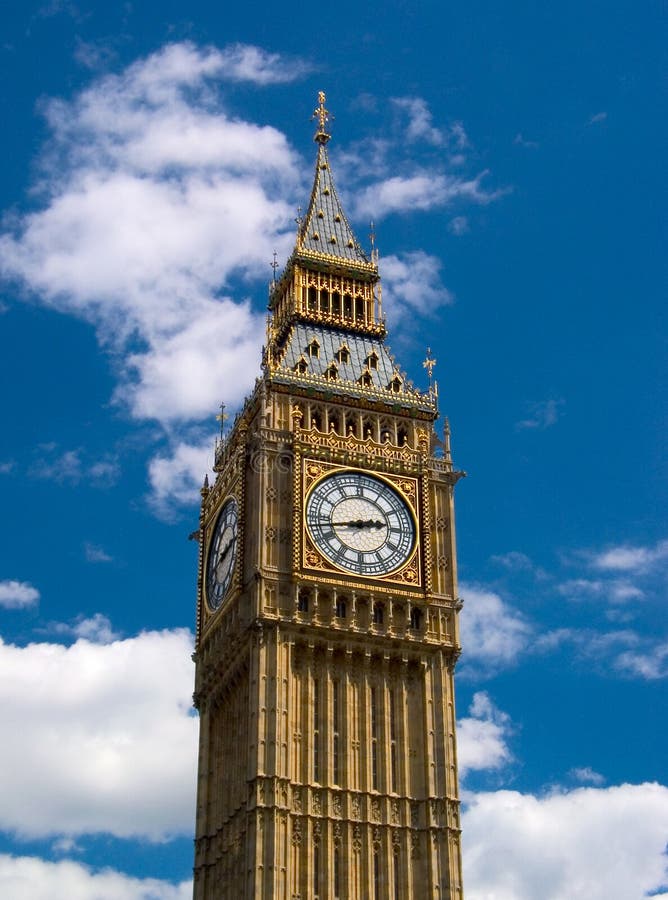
<point x="309" y="557"/>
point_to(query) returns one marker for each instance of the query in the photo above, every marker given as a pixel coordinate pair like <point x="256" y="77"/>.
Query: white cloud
<point x="481" y="737"/>
<point x="17" y="594"/>
<point x="86" y="727"/>
<point x="71" y="467"/>
<point x="587" y="775"/>
<point x="422" y="191"/>
<point x="420" y="126"/>
<point x="541" y="414"/>
<point x="611" y="590"/>
<point x="30" y="878"/>
<point x="494" y="635"/>
<point x="243" y="62"/>
<point x="96" y="628"/>
<point x="566" y="846"/>
<point x="94" y="553"/>
<point x="514" y="560"/>
<point x="627" y="558"/>
<point x="459" y="225"/>
<point x="177" y="476"/>
<point x="412" y="283"/>
<point x="153" y="199"/>
<point x="598" y="117"/>
<point x="649" y="662"/>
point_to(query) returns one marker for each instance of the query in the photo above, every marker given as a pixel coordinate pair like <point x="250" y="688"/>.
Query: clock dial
<point x="360" y="523"/>
<point x="222" y="555"/>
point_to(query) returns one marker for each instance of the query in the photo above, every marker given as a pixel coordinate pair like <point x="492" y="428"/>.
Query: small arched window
<point x="378" y="613"/>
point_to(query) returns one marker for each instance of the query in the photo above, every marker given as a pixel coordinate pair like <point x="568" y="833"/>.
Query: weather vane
<point x="429" y="364"/>
<point x="222" y="418"/>
<point x="323" y="117"/>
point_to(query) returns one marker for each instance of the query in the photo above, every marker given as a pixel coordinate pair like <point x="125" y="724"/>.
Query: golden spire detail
<point x="322" y="115"/>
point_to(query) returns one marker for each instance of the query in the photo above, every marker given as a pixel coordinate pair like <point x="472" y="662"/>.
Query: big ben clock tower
<point x="327" y="629"/>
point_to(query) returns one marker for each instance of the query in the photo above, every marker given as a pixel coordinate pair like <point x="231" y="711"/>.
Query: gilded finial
<point x="322" y="115"/>
<point x="222" y="417"/>
<point x="429" y="364"/>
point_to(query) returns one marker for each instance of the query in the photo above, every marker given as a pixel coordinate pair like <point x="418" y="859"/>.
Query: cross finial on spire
<point x="323" y="117"/>
<point x="222" y="417"/>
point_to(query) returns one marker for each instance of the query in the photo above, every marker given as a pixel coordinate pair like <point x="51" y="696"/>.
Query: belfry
<point x="327" y="611"/>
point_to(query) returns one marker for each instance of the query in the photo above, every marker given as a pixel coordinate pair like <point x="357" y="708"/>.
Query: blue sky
<point x="512" y="160"/>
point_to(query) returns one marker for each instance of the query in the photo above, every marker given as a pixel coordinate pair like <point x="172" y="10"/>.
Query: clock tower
<point x="327" y="614"/>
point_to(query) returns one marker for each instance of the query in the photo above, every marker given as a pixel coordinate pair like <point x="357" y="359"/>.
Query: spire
<point x="324" y="231"/>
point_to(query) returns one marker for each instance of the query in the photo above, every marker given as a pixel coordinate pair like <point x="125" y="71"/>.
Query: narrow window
<point x="331" y="373"/>
<point x="336" y="303"/>
<point x="378" y="613"/>
<point x="302" y="602"/>
<point x="316" y="729"/>
<point x="336" y="715"/>
<point x="376" y="875"/>
<point x="359" y="309"/>
<point x="340" y="608"/>
<point x="416" y="618"/>
<point x="397" y="875"/>
<point x="324" y="301"/>
<point x="312" y="299"/>
<point x="347" y="306"/>
<point x="314" y="349"/>
<point x="374" y="739"/>
<point x="393" y="743"/>
<point x="337" y="874"/>
<point x="316" y="871"/>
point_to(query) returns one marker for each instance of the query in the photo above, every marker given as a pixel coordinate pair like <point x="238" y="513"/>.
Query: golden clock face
<point x="360" y="523"/>
<point x="222" y="554"/>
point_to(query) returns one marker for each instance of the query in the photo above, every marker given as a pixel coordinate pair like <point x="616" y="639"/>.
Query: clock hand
<point x="224" y="552"/>
<point x="360" y="523"/>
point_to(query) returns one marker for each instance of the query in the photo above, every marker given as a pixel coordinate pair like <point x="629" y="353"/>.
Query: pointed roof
<point x="325" y="230"/>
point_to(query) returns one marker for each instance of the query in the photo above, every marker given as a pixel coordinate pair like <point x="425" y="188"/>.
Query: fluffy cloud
<point x="494" y="635"/>
<point x="30" y="878"/>
<point x="17" y="594"/>
<point x="566" y="846"/>
<point x="481" y="737"/>
<point x="412" y="284"/>
<point x="152" y="199"/>
<point x="627" y="558"/>
<point x="153" y="202"/>
<point x="420" y="124"/>
<point x="176" y="476"/>
<point x="421" y="191"/>
<point x="86" y="727"/>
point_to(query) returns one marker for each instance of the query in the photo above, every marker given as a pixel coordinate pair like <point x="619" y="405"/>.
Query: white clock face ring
<point x="222" y="554"/>
<point x="360" y="523"/>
